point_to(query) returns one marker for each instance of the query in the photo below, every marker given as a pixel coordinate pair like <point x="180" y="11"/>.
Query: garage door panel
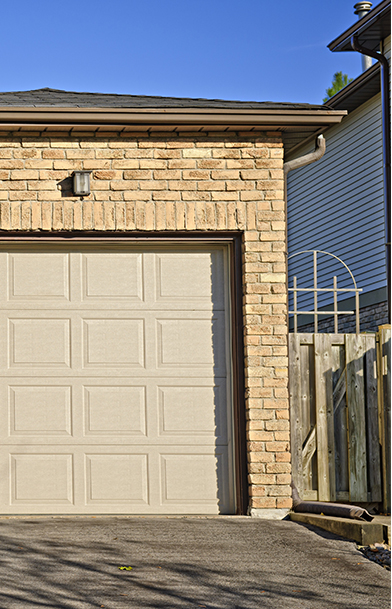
<point x="39" y="342"/>
<point x="191" y="342"/>
<point x="185" y="411"/>
<point x="43" y="277"/>
<point x="115" y="410"/>
<point x="195" y="480"/>
<point x="113" y="342"/>
<point x="115" y="479"/>
<point x="203" y="271"/>
<point x="114" y="276"/>
<point x="45" y="478"/>
<point x="188" y="479"/>
<point x="40" y="410"/>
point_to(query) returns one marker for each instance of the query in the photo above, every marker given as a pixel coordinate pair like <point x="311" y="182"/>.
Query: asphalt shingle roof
<point x="70" y="99"/>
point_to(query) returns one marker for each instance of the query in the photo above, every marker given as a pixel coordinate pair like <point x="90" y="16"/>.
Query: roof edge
<point x="353" y="86"/>
<point x="360" y="26"/>
<point x="38" y="116"/>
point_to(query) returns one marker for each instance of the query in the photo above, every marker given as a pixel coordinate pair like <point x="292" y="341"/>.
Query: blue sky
<point x="273" y="50"/>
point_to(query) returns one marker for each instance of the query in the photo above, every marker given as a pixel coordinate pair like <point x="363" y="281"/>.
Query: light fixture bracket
<point x="81" y="183"/>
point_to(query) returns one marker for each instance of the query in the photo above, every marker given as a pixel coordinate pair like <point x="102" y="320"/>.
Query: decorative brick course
<point x="166" y="183"/>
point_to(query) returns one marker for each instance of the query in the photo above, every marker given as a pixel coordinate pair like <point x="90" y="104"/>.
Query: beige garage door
<point x="115" y="380"/>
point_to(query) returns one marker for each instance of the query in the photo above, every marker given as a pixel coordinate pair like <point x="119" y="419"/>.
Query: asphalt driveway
<point x="216" y="563"/>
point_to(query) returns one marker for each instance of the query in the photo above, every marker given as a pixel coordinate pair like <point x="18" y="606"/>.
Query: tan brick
<point x="257" y="491"/>
<point x="181" y="164"/>
<point x="210" y="164"/>
<point x="166" y="195"/>
<point x="213" y="185"/>
<point x="276" y="446"/>
<point x="167" y="174"/>
<point x="281" y="425"/>
<point x="278" y="468"/>
<point x="224" y="196"/>
<point x="147" y="164"/>
<point x="263" y="457"/>
<point x="225" y="175"/>
<point x="256" y="468"/>
<point x="196" y="174"/>
<point x="226" y="154"/>
<point x="167" y="154"/>
<point x="279" y="490"/>
<point x="38" y="164"/>
<point x="16" y="185"/>
<point x="49" y="195"/>
<point x="180" y="144"/>
<point x="240" y="185"/>
<point x="263" y="502"/>
<point x="196" y="153"/>
<point x="67" y="165"/>
<point x="240" y="164"/>
<point x="30" y="153"/>
<point x="6" y="143"/>
<point x="283" y="502"/>
<point x="135" y="154"/>
<point x="181" y="185"/>
<point x="22" y="195"/>
<point x="124" y="143"/>
<point x="262" y="479"/>
<point x="137" y="195"/>
<point x="80" y="154"/>
<point x="261" y="436"/>
<point x="138" y="174"/>
<point x="106" y="175"/>
<point x="123" y="185"/>
<point x="160" y="215"/>
<point x="150" y="215"/>
<point x="282" y="414"/>
<point x="109" y="154"/>
<point x="283" y="479"/>
<point x="24" y="174"/>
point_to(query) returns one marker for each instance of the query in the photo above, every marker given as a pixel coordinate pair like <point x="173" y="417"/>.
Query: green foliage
<point x="339" y="81"/>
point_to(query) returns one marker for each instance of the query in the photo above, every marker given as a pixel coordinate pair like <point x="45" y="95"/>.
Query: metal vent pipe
<point x="362" y="9"/>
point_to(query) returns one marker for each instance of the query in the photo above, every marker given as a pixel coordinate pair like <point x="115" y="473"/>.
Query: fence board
<point x="295" y="411"/>
<point x="308" y="413"/>
<point x="328" y="350"/>
<point x="373" y="445"/>
<point x="384" y="393"/>
<point x="321" y="366"/>
<point x="340" y="419"/>
<point x="356" y="417"/>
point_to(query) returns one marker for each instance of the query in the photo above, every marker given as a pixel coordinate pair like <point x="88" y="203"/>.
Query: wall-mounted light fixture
<point x="81" y="183"/>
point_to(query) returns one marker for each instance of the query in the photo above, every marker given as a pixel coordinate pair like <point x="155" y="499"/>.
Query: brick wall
<point x="143" y="182"/>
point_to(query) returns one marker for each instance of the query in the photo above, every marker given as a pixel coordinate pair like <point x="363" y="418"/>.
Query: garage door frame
<point x="234" y="240"/>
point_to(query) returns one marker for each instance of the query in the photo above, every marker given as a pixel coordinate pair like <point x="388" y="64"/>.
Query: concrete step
<point x="364" y="533"/>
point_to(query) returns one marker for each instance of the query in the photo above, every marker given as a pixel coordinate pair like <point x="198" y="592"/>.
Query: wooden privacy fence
<point x="335" y="436"/>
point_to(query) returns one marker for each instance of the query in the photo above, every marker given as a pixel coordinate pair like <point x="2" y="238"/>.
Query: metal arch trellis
<point x="315" y="290"/>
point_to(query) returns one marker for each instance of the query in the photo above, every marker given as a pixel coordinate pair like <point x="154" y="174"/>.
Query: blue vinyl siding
<point x="336" y="205"/>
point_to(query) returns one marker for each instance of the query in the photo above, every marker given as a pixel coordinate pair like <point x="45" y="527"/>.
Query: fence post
<point x="384" y="408"/>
